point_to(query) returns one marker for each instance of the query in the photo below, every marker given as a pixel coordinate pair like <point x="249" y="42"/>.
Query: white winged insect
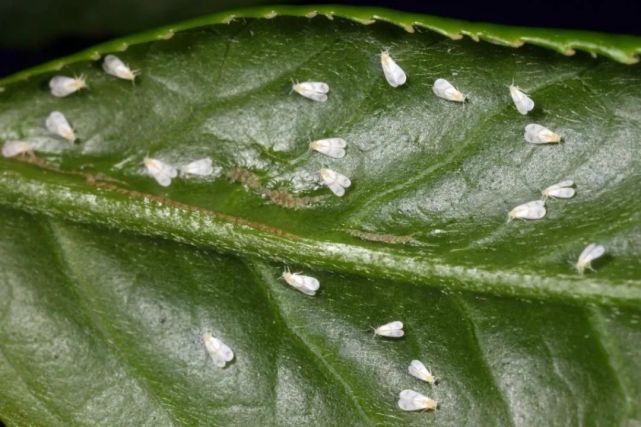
<point x="316" y="91"/>
<point x="62" y="86"/>
<point x="161" y="171"/>
<point x="335" y="181"/>
<point x="112" y="65"/>
<point x="218" y="351"/>
<point x="561" y="190"/>
<point x="410" y="400"/>
<point x="394" y="74"/>
<point x="589" y="254"/>
<point x="444" y="89"/>
<point x="201" y="167"/>
<point x="537" y="134"/>
<point x="418" y="370"/>
<point x="58" y="125"/>
<point x="14" y="148"/>
<point x="530" y="210"/>
<point x="306" y="284"/>
<point x="391" y="330"/>
<point x="331" y="147"/>
<point x="523" y="103"/>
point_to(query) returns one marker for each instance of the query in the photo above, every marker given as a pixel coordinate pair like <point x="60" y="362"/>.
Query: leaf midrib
<point x="146" y="214"/>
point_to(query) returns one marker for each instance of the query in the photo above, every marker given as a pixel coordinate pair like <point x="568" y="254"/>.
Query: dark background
<point x="34" y="31"/>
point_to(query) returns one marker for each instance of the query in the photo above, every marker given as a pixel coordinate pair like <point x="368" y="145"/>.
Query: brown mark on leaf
<point x="278" y="197"/>
<point x="246" y="177"/>
<point x="288" y="200"/>
<point x="183" y="206"/>
<point x="384" y="238"/>
<point x="106" y="183"/>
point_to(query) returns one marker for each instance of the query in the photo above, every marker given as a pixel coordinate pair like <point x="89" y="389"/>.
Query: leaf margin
<point x="622" y="48"/>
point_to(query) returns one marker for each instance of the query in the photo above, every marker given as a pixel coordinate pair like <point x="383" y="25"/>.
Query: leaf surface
<point x="109" y="280"/>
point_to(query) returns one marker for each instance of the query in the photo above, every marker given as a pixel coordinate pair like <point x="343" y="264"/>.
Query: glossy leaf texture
<point x="108" y="280"/>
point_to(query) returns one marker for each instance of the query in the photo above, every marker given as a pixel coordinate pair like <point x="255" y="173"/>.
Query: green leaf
<point x="108" y="281"/>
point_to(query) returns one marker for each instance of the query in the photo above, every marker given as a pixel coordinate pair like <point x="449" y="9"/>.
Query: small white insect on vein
<point x="15" y="148"/>
<point x="161" y="171"/>
<point x="391" y="330"/>
<point x="410" y="400"/>
<point x="57" y="124"/>
<point x="316" y="91"/>
<point x="530" y="210"/>
<point x="112" y="65"/>
<point x="523" y="103"/>
<point x="561" y="190"/>
<point x="201" y="167"/>
<point x="418" y="370"/>
<point x="62" y="86"/>
<point x="589" y="254"/>
<point x="444" y="89"/>
<point x="394" y="74"/>
<point x="335" y="181"/>
<point x="537" y="134"/>
<point x="305" y="284"/>
<point x="331" y="147"/>
<point x="218" y="351"/>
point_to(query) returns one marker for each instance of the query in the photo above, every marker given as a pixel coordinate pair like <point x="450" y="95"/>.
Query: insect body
<point x="161" y="171"/>
<point x="529" y="210"/>
<point x="62" y="86"/>
<point x="537" y="134"/>
<point x="523" y="103"/>
<point x="219" y="352"/>
<point x="57" y="124"/>
<point x="418" y="370"/>
<point x="14" y="148"/>
<point x="114" y="66"/>
<point x="335" y="181"/>
<point x="331" y="147"/>
<point x="589" y="254"/>
<point x="561" y="190"/>
<point x="410" y="400"/>
<point x="391" y="330"/>
<point x="394" y="74"/>
<point x="202" y="167"/>
<point x="306" y="284"/>
<point x="444" y="89"/>
<point x="316" y="91"/>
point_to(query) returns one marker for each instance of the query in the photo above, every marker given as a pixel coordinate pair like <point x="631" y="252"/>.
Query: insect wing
<point x="202" y="167"/>
<point x="218" y="351"/>
<point x="332" y="147"/>
<point x="523" y="103"/>
<point x="418" y="370"/>
<point x="394" y="74"/>
<point x="14" y="148"/>
<point x="444" y="89"/>
<point x="57" y="124"/>
<point x="410" y="400"/>
<point x="392" y="329"/>
<point x="537" y="134"/>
